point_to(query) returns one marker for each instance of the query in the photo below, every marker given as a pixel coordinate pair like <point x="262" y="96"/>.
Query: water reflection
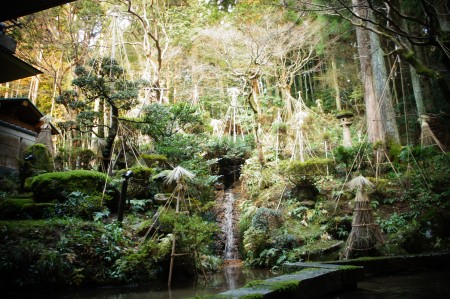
<point x="231" y="277"/>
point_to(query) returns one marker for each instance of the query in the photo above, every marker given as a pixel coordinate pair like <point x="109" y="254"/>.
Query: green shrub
<point x="79" y="205"/>
<point x="52" y="186"/>
<point x="285" y="241"/>
<point x="12" y="208"/>
<point x="17" y="261"/>
<point x="135" y="268"/>
<point x="52" y="267"/>
<point x="140" y="185"/>
<point x="339" y="226"/>
<point x="351" y="157"/>
<point x="228" y="149"/>
<point x="58" y="252"/>
<point x="180" y="147"/>
<point x="153" y="160"/>
<point x="305" y="173"/>
<point x="7" y="185"/>
<point x="37" y="210"/>
<point x="419" y="154"/>
<point x="193" y="233"/>
<point x="254" y="242"/>
<point x="266" y="219"/>
<point x="148" y="263"/>
<point x="85" y="157"/>
<point x="258" y="238"/>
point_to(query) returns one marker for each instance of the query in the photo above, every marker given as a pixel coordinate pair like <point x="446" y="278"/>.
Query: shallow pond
<point x="424" y="284"/>
<point x="229" y="278"/>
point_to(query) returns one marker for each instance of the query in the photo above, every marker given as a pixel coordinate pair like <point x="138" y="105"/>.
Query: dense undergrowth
<point x="288" y="211"/>
<point x="294" y="211"/>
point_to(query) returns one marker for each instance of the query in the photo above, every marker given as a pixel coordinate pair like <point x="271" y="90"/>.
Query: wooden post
<point x="174" y="237"/>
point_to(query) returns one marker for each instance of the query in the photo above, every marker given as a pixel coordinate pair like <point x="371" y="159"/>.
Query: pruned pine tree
<point x="101" y="79"/>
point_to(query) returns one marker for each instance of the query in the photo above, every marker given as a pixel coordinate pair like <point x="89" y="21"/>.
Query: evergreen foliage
<point x="141" y="185"/>
<point x="162" y="122"/>
<point x="105" y="80"/>
<point x="305" y="173"/>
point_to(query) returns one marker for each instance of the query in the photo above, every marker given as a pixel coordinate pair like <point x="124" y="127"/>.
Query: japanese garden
<point x="161" y="142"/>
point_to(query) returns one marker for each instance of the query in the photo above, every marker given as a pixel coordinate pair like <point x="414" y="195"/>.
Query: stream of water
<point x="230" y="252"/>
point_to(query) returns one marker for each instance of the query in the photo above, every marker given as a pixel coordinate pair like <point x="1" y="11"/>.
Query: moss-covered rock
<point x="344" y="114"/>
<point x="42" y="160"/>
<point x="52" y="186"/>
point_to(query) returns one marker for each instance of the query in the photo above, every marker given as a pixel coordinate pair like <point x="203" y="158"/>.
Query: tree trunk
<point x="112" y="133"/>
<point x="335" y="83"/>
<point x="417" y="89"/>
<point x="375" y="130"/>
<point x="382" y="89"/>
<point x="288" y="99"/>
<point x="442" y="11"/>
<point x="257" y="109"/>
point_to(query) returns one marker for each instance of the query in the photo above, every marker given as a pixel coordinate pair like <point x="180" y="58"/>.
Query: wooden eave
<point x="22" y="112"/>
<point x="19" y="8"/>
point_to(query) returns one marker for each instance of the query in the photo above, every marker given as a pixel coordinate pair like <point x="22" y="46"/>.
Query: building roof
<point x="14" y="68"/>
<point x="20" y="8"/>
<point x="23" y="113"/>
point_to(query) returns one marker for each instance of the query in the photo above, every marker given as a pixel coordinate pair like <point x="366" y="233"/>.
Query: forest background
<point x="289" y="96"/>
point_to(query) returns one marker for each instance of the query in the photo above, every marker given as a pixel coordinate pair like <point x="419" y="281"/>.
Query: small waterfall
<point x="230" y="252"/>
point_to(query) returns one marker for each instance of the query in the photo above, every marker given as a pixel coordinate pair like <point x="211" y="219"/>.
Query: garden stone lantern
<point x="345" y="118"/>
